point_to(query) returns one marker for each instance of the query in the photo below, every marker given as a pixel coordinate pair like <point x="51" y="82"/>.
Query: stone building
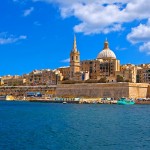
<point x="105" y="65"/>
<point x="74" y="61"/>
<point x="65" y="71"/>
<point x="143" y="74"/>
<point x="128" y="72"/>
<point x="43" y="77"/>
<point x="13" y="80"/>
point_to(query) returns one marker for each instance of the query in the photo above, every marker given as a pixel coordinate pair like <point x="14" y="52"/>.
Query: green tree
<point x="102" y="80"/>
<point x="120" y="78"/>
<point x="91" y="81"/>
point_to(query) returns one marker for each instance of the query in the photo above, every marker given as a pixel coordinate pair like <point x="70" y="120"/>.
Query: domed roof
<point x="106" y="52"/>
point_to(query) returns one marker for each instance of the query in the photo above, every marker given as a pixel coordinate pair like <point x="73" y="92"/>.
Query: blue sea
<point x="47" y="126"/>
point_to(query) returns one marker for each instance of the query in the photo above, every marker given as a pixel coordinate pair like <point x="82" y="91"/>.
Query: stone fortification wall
<point x="88" y="90"/>
<point x="148" y="91"/>
<point x="138" y="90"/>
<point x="114" y="90"/>
<point x="22" y="90"/>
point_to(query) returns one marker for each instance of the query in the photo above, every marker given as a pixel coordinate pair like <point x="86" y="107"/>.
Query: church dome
<point x="106" y="52"/>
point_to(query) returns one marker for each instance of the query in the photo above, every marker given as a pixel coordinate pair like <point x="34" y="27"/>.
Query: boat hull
<point x="124" y="101"/>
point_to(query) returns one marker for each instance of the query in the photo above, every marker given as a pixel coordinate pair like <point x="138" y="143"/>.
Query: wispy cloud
<point x="120" y="48"/>
<point x="8" y="39"/>
<point x="66" y="60"/>
<point x="36" y="23"/>
<point x="27" y="12"/>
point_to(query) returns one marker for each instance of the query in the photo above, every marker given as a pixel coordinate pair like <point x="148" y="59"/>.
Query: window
<point x="72" y="57"/>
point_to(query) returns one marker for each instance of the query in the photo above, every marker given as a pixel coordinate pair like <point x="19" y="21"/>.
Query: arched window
<point x="76" y="57"/>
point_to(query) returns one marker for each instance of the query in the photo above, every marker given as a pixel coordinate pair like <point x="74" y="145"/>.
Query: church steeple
<point x="74" y="60"/>
<point x="106" y="44"/>
<point x="74" y="44"/>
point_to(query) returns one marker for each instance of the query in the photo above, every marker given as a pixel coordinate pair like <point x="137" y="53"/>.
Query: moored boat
<point x="124" y="101"/>
<point x="6" y="97"/>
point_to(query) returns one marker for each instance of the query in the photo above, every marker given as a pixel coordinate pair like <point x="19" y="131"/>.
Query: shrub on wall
<point x="102" y="80"/>
<point x="68" y="82"/>
<point x="91" y="81"/>
<point x="119" y="78"/>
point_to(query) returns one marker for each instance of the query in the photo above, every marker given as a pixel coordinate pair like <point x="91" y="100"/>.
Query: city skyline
<point x="38" y="34"/>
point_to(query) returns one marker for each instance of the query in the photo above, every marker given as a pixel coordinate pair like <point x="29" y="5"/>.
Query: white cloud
<point x="66" y="60"/>
<point x="8" y="39"/>
<point x="145" y="48"/>
<point x="102" y="16"/>
<point x="28" y="11"/>
<point x="141" y="34"/>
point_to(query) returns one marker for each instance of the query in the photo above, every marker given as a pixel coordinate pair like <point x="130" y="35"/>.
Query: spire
<point x="106" y="44"/>
<point x="74" y="44"/>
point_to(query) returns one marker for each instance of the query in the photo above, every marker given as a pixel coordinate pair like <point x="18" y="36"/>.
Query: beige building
<point x="128" y="72"/>
<point x="74" y="62"/>
<point x="65" y="72"/>
<point x="143" y="74"/>
<point x="105" y="65"/>
<point x="43" y="77"/>
<point x="13" y="80"/>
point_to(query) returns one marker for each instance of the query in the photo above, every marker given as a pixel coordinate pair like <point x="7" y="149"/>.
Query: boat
<point x="125" y="101"/>
<point x="64" y="102"/>
<point x="6" y="97"/>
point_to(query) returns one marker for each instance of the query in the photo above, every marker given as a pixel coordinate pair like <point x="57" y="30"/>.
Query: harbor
<point x="77" y="100"/>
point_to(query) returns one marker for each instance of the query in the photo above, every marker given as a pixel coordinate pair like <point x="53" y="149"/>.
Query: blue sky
<point x="38" y="34"/>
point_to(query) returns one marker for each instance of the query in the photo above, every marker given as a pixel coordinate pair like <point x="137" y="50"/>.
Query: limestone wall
<point x="88" y="90"/>
<point x="21" y="90"/>
<point x="115" y="90"/>
<point x="138" y="90"/>
<point x="148" y="91"/>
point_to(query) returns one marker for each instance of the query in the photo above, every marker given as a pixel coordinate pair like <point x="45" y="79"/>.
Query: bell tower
<point x="74" y="59"/>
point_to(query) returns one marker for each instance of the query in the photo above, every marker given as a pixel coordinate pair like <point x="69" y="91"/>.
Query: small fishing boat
<point x="124" y="101"/>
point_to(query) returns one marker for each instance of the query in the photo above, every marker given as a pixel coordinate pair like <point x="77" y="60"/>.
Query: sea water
<point x="47" y="126"/>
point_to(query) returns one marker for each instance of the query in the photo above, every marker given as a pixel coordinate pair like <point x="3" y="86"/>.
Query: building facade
<point x="106" y="65"/>
<point x="143" y="74"/>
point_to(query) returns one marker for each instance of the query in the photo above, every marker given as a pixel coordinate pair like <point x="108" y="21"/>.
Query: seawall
<point x="115" y="90"/>
<point x="87" y="90"/>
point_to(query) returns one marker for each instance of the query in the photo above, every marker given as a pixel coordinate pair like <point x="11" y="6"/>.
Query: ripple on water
<point x="61" y="127"/>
